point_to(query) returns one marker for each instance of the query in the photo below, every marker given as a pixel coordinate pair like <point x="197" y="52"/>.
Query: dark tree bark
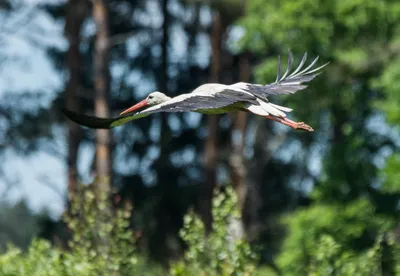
<point x="210" y="146"/>
<point x="76" y="13"/>
<point x="164" y="48"/>
<point x="236" y="159"/>
<point x="101" y="100"/>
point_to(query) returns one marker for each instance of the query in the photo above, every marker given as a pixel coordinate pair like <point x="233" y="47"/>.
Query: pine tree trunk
<point x="76" y="12"/>
<point x="101" y="100"/>
<point x="238" y="167"/>
<point x="164" y="48"/>
<point x="165" y="210"/>
<point x="211" y="143"/>
<point x="236" y="160"/>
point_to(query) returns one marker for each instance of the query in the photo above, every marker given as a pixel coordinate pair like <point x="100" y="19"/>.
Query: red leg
<point x="291" y="123"/>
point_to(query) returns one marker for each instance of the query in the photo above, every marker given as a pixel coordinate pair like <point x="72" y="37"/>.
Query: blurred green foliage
<point x="108" y="247"/>
<point x="353" y="202"/>
<point x="97" y="246"/>
<point x="101" y="236"/>
<point x="223" y="251"/>
<point x="329" y="257"/>
<point x="323" y="238"/>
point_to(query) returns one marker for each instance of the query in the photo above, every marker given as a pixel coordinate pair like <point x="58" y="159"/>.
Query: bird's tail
<point x="274" y="109"/>
<point x="284" y="109"/>
<point x="267" y="108"/>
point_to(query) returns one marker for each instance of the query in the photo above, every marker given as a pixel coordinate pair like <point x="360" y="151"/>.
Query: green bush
<point x="329" y="257"/>
<point x="221" y="252"/>
<point x="349" y="239"/>
<point x="104" y="244"/>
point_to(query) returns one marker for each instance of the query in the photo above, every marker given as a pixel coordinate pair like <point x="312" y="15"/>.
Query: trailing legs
<point x="290" y="123"/>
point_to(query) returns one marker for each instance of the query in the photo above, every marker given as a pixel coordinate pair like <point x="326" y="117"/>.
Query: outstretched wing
<point x="208" y="96"/>
<point x="288" y="83"/>
<point x="96" y="122"/>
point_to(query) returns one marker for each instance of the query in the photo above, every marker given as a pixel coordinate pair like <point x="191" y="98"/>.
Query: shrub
<point x="221" y="252"/>
<point x="102" y="244"/>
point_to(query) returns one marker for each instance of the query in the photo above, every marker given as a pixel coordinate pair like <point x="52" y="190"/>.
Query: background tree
<point x="76" y="13"/>
<point x="351" y="141"/>
<point x="102" y="98"/>
<point x="211" y="142"/>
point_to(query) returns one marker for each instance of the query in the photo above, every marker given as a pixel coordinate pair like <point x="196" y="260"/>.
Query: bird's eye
<point x="150" y="96"/>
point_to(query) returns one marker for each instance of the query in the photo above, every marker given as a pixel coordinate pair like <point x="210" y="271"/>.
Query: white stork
<point x="215" y="98"/>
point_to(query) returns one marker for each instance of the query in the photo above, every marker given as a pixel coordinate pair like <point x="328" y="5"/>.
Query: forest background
<point x="304" y="203"/>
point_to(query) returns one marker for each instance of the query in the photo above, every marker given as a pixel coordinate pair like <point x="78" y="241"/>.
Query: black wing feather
<point x="99" y="123"/>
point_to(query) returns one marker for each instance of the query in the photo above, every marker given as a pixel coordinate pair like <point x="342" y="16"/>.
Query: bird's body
<point x="215" y="98"/>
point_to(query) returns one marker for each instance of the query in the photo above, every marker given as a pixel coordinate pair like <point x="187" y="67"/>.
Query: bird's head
<point x="152" y="99"/>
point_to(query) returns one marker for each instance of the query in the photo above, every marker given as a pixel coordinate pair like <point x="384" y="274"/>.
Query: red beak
<point x="135" y="107"/>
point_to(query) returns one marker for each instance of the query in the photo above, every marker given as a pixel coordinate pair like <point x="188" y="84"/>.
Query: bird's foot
<point x="303" y="126"/>
<point x="290" y="123"/>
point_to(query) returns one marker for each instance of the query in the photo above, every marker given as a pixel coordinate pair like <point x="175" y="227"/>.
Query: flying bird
<point x="215" y="98"/>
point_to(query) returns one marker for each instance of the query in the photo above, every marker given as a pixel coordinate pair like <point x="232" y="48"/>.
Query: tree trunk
<point x="168" y="204"/>
<point x="236" y="160"/>
<point x="164" y="48"/>
<point x="76" y="12"/>
<point x="210" y="146"/>
<point x="101" y="100"/>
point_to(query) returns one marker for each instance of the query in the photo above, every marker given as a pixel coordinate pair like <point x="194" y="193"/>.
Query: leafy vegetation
<point x="352" y="201"/>
<point x="347" y="239"/>
<point x="104" y="246"/>
<point x="223" y="251"/>
<point x="109" y="247"/>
